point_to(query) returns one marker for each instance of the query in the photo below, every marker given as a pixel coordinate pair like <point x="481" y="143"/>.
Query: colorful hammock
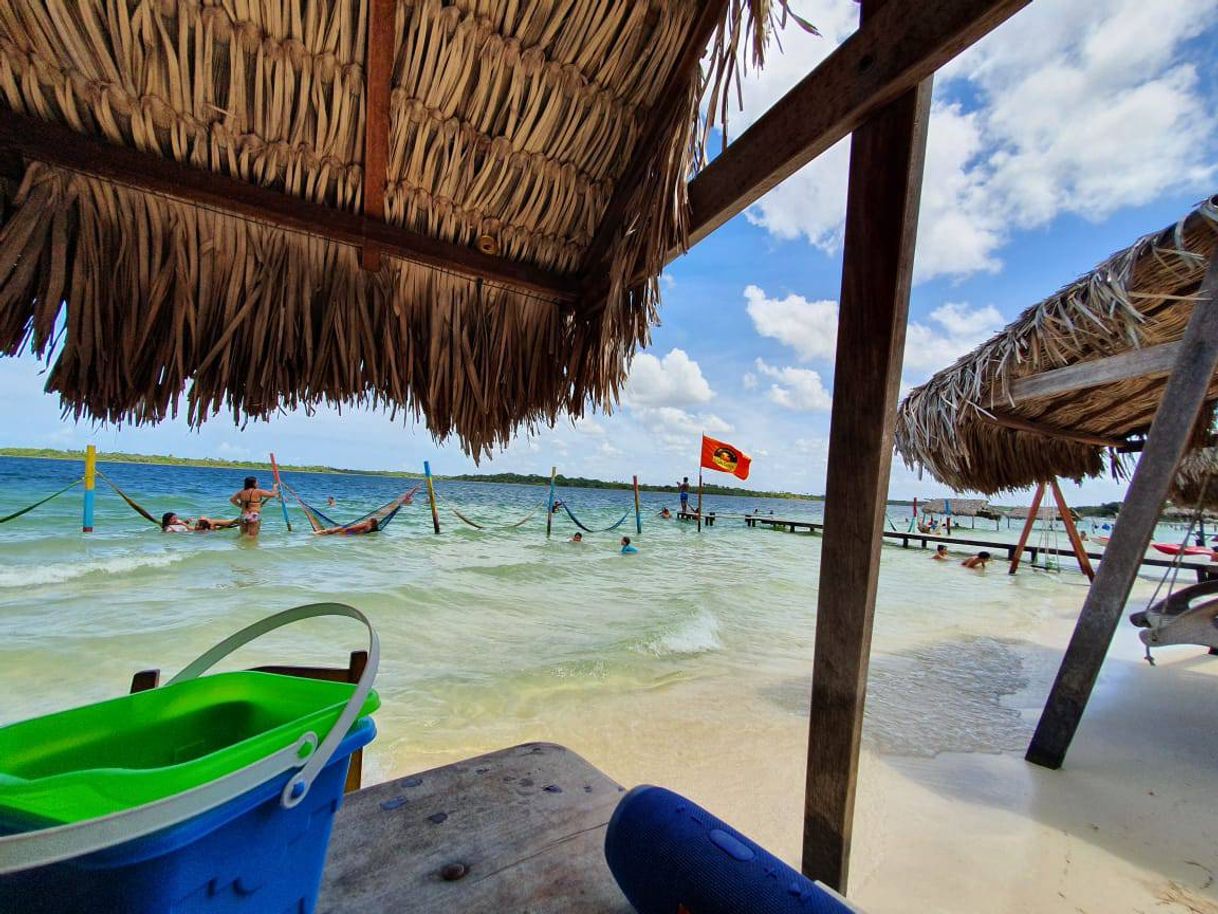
<point x="38" y="504"/>
<point x="478" y="526"/>
<point x="318" y="520"/>
<point x="621" y="520"/>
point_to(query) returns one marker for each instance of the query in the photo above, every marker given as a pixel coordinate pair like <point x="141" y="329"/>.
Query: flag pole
<point x="283" y="501"/>
<point x="431" y="497"/>
<point x="699" y="499"/>
<point x="638" y="517"/>
<point x="550" y="503"/>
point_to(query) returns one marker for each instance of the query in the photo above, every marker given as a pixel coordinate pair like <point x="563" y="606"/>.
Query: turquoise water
<point x="679" y="664"/>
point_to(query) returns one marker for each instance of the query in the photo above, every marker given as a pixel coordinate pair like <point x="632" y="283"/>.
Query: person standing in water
<point x="628" y="549"/>
<point x="683" y="488"/>
<point x="249" y="500"/>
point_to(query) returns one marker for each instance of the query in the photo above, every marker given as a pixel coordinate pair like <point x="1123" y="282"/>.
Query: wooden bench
<point x="518" y="830"/>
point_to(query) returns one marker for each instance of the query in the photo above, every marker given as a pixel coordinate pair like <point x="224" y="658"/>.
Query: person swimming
<point x="578" y="538"/>
<point x="367" y="525"/>
<point x="628" y="549"/>
<point x="977" y="561"/>
<point x="665" y="514"/>
<point x="250" y="500"/>
<point x="940" y="553"/>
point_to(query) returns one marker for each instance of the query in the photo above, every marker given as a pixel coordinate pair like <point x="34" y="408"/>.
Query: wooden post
<point x="1173" y="426"/>
<point x="86" y="521"/>
<point x="378" y="76"/>
<point x="550" y="503"/>
<point x="699" y="499"/>
<point x="886" y="161"/>
<point x="1076" y="542"/>
<point x="1027" y="529"/>
<point x="283" y="499"/>
<point x="638" y="514"/>
<point x="431" y="497"/>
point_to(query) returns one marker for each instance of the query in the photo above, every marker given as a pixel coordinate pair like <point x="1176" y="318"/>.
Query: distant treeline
<point x="577" y="482"/>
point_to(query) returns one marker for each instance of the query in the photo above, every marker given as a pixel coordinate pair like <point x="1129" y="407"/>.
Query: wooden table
<point x="518" y="830"/>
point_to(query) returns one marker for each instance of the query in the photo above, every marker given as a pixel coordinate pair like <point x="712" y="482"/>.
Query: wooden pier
<point x="924" y="540"/>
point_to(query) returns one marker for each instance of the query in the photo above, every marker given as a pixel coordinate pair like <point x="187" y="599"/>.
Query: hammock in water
<point x="478" y="526"/>
<point x="39" y="504"/>
<point x="383" y="515"/>
<point x="135" y="506"/>
<point x="621" y="520"/>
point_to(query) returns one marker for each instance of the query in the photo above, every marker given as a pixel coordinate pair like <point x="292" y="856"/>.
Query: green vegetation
<point x="575" y="482"/>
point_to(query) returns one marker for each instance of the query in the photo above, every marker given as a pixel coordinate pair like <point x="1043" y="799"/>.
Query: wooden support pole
<point x="1173" y="426"/>
<point x="699" y="499"/>
<point x="638" y="514"/>
<point x="378" y="74"/>
<point x="431" y="497"/>
<point x="1027" y="529"/>
<point x="1076" y="542"/>
<point x="86" y="521"/>
<point x="886" y="162"/>
<point x="550" y="503"/>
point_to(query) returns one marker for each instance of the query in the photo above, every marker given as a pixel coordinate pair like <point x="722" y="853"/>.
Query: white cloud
<point x="808" y="327"/>
<point x="954" y="329"/>
<point x="799" y="389"/>
<point x="1072" y="108"/>
<point x="675" y="380"/>
<point x="677" y="430"/>
<point x="749" y="381"/>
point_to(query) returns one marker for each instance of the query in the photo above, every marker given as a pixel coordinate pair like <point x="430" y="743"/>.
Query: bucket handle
<point x="41" y="847"/>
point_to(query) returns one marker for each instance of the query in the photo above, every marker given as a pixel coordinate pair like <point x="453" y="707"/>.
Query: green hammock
<point x="37" y="504"/>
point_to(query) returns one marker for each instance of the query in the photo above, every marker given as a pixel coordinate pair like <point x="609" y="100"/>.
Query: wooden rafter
<point x="1152" y="361"/>
<point x="378" y="73"/>
<point x="892" y="51"/>
<point x="1049" y="431"/>
<point x="56" y="145"/>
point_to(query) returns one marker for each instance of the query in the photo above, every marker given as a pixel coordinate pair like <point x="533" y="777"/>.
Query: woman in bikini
<point x="249" y="500"/>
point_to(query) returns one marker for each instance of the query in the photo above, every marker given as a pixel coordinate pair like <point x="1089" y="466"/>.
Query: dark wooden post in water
<point x="1027" y="529"/>
<point x="881" y="223"/>
<point x="1173" y="425"/>
<point x="1076" y="542"/>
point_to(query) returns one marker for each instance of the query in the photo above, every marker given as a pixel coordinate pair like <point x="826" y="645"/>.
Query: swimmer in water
<point x="250" y="500"/>
<point x="578" y="538"/>
<point x="940" y="553"/>
<point x="628" y="549"/>
<point x="665" y="514"/>
<point x="977" y="561"/>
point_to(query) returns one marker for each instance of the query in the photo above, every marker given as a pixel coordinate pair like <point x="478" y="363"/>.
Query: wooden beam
<point x="1026" y="532"/>
<point x="885" y="185"/>
<point x="378" y="74"/>
<point x="1050" y="431"/>
<point x="893" y="51"/>
<point x="1076" y="542"/>
<point x="674" y="94"/>
<point x="1153" y="361"/>
<point x="61" y="146"/>
<point x="1170" y="434"/>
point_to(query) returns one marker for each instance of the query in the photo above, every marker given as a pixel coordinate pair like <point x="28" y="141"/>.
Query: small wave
<point x="37" y="575"/>
<point x="697" y="635"/>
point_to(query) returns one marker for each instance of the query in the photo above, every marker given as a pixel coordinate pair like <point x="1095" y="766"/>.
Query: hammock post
<point x="86" y="523"/>
<point x="550" y="502"/>
<point x="283" y="502"/>
<point x="638" y="516"/>
<point x="431" y="497"/>
<point x="699" y="499"/>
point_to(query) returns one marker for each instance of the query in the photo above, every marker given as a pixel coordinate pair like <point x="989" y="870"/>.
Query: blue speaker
<point x="671" y="856"/>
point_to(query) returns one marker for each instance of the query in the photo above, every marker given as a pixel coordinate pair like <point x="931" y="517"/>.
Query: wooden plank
<point x="1028" y="524"/>
<point x="895" y="49"/>
<point x="1170" y="433"/>
<point x="61" y="146"/>
<point x="1050" y="431"/>
<point x="674" y="94"/>
<point x="1076" y="541"/>
<point x="886" y="164"/>
<point x="526" y="823"/>
<point x="1149" y="362"/>
<point x="378" y="74"/>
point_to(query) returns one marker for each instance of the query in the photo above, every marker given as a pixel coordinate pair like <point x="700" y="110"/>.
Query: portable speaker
<point x="671" y="856"/>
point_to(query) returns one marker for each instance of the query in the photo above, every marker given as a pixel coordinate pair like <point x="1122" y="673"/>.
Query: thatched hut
<point x="960" y="507"/>
<point x="1075" y="380"/>
<point x="1196" y="484"/>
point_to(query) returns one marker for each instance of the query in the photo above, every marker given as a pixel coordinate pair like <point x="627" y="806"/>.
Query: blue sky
<point x="1070" y="131"/>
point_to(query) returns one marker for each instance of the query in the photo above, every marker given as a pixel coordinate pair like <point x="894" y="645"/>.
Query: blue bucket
<point x="254" y="841"/>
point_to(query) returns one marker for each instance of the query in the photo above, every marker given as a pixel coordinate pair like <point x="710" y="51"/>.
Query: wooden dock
<point x="924" y="540"/>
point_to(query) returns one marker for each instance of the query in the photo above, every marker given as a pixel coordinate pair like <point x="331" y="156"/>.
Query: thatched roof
<point x="510" y="125"/>
<point x="965" y="426"/>
<point x="965" y="507"/>
<point x="1044" y="512"/>
<point x="1196" y="482"/>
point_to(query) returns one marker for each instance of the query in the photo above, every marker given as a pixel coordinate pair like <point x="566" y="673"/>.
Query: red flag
<point x="721" y="456"/>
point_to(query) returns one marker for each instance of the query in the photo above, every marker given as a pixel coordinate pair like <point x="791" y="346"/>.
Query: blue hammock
<point x="621" y="520"/>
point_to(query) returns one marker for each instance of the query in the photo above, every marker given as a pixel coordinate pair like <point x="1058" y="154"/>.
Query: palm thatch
<point x="961" y="507"/>
<point x="1196" y="483"/>
<point x="510" y="124"/>
<point x="1044" y="512"/>
<point x="958" y="424"/>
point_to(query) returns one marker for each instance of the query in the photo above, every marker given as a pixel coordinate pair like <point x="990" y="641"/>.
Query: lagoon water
<point x="687" y="664"/>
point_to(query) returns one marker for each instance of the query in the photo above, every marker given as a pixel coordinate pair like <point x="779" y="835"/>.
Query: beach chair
<point x="150" y="679"/>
